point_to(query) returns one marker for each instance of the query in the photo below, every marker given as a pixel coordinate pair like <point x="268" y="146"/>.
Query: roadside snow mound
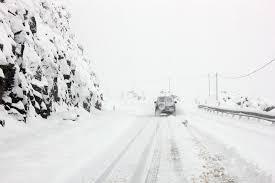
<point x="134" y="96"/>
<point x="41" y="64"/>
<point x="244" y="102"/>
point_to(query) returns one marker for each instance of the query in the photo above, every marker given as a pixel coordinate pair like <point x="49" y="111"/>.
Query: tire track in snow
<point x="175" y="156"/>
<point x="138" y="175"/>
<point x="152" y="175"/>
<point x="105" y="174"/>
<point x="172" y="156"/>
<point x="240" y="169"/>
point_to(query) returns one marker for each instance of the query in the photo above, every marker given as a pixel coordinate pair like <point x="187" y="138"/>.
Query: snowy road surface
<point x="135" y="146"/>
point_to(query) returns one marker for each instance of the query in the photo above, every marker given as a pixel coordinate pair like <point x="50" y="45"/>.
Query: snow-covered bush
<point x="246" y="102"/>
<point x="135" y="95"/>
<point x="41" y="64"/>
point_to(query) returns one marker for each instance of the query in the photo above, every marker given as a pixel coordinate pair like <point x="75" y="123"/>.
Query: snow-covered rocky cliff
<point x="42" y="67"/>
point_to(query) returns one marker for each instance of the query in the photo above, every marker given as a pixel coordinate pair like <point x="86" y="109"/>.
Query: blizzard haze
<point x="74" y="116"/>
<point x="140" y="44"/>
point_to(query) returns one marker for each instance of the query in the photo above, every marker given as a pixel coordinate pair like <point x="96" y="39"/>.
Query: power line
<point x="250" y="73"/>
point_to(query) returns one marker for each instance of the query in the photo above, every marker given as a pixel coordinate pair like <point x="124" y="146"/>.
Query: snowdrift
<point x="42" y="67"/>
<point x="246" y="103"/>
<point x="240" y="103"/>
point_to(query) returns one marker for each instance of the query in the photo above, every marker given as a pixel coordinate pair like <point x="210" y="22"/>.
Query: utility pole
<point x="209" y="85"/>
<point x="217" y="90"/>
<point x="169" y="85"/>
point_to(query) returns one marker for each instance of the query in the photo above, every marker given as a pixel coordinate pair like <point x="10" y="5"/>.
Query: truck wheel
<point x="157" y="113"/>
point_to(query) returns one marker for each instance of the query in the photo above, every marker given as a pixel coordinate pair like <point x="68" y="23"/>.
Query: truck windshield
<point x="165" y="99"/>
<point x="169" y="100"/>
<point x="161" y="99"/>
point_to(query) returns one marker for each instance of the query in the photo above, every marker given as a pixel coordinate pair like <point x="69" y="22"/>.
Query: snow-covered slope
<point x="236" y="101"/>
<point x="42" y="67"/>
<point x="245" y="102"/>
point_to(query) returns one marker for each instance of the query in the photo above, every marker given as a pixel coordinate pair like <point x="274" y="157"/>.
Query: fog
<point x="141" y="44"/>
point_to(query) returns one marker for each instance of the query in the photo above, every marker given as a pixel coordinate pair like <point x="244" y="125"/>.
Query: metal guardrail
<point x="267" y="117"/>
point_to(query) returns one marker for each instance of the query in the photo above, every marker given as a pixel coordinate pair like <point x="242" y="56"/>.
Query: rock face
<point x="42" y="66"/>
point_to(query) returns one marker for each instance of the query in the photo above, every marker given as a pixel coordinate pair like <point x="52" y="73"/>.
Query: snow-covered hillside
<point x="42" y="67"/>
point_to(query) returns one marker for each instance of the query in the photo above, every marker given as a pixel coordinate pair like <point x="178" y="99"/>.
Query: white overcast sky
<point x="139" y="44"/>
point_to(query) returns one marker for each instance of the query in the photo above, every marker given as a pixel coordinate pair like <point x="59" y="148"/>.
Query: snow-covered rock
<point x="41" y="64"/>
<point x="1" y="73"/>
<point x="245" y="102"/>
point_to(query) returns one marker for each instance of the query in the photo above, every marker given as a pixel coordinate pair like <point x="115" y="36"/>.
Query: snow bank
<point x="246" y="103"/>
<point x="249" y="139"/>
<point x="41" y="64"/>
<point x="240" y="102"/>
<point x="53" y="149"/>
<point x="133" y="96"/>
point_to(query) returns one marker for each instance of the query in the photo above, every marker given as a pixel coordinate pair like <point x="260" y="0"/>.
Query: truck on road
<point x="165" y="105"/>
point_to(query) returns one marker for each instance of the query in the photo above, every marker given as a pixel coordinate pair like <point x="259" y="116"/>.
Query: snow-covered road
<point x="135" y="146"/>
